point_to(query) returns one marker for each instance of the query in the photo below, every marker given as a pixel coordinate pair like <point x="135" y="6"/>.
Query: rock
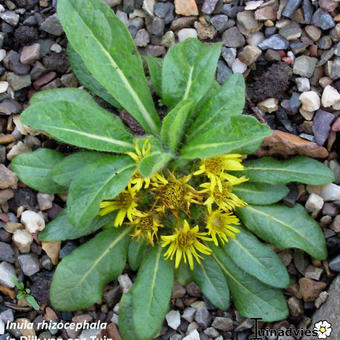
<point x="302" y="84"/>
<point x="52" y="25"/>
<point x="229" y="55"/>
<point x="157" y="26"/>
<point x="165" y="11"/>
<point x="335" y="72"/>
<point x="6" y="253"/>
<point x="330" y="96"/>
<point x="6" y="195"/>
<point x="274" y="42"/>
<point x="189" y="314"/>
<point x="178" y="291"/>
<point x="310" y="289"/>
<point x="220" y="22"/>
<point x="148" y="6"/>
<point x="26" y="34"/>
<point x="238" y="66"/>
<point x="90" y="334"/>
<point x="18" y="82"/>
<point x="7" y="271"/>
<point x="322" y="19"/>
<point x="8" y="178"/>
<point x="52" y="249"/>
<point x="112" y="332"/>
<point x="3" y="86"/>
<point x="329" y="311"/>
<point x="304" y="66"/>
<point x="314" y="273"/>
<point x="7" y="315"/>
<point x="45" y="79"/>
<point x="182" y="22"/>
<point x="13" y="63"/>
<point x="322" y="125"/>
<point x="310" y="101"/>
<point x="208" y="6"/>
<point x="9" y="106"/>
<point x="32" y="221"/>
<point x="321" y="299"/>
<point x="202" y="317"/>
<point x="211" y="332"/>
<point x="247" y="21"/>
<point x="56" y="62"/>
<point x="29" y="264"/>
<point x="186" y="33"/>
<point x="168" y="39"/>
<point x="186" y="7"/>
<point x="334" y="264"/>
<point x="330" y="192"/>
<point x="313" y="32"/>
<point x="255" y="39"/>
<point x="193" y="335"/>
<point x="336" y="224"/>
<point x="291" y="7"/>
<point x="30" y="54"/>
<point x="204" y="31"/>
<point x="173" y="319"/>
<point x="124" y="282"/>
<point x="10" y="17"/>
<point x="269" y="105"/>
<point x="291" y="32"/>
<point x="286" y="144"/>
<point x="45" y="201"/>
<point x="18" y="149"/>
<point x="295" y="306"/>
<point x="223" y="324"/>
<point x="233" y="38"/>
<point x="314" y="204"/>
<point x="266" y="13"/>
<point x="328" y="5"/>
<point x="193" y="289"/>
<point x="249" y="54"/>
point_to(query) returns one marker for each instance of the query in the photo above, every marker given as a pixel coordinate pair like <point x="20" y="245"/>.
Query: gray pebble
<point x="7" y="271"/>
<point x="29" y="264"/>
<point x="322" y="19"/>
<point x="304" y="66"/>
<point x="233" y="38"/>
<point x="209" y="6"/>
<point x="52" y="25"/>
<point x="275" y="42"/>
<point x="164" y="10"/>
<point x="202" y="317"/>
<point x="325" y="42"/>
<point x="291" y="7"/>
<point x="220" y="22"/>
<point x="322" y="125"/>
<point x="67" y="249"/>
<point x="334" y="264"/>
<point x="307" y="10"/>
<point x="6" y="253"/>
<point x="223" y="72"/>
<point x="335" y="73"/>
<point x="157" y="26"/>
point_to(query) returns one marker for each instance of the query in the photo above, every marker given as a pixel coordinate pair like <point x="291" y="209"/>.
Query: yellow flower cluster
<point x="160" y="207"/>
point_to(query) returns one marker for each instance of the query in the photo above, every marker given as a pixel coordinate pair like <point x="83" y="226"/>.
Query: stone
<point x="330" y="192"/>
<point x="310" y="289"/>
<point x="18" y="82"/>
<point x="45" y="201"/>
<point x="7" y="271"/>
<point x="124" y="282"/>
<point x="274" y="42"/>
<point x="336" y="224"/>
<point x="157" y="26"/>
<point x="238" y="66"/>
<point x="211" y="332"/>
<point x="313" y="32"/>
<point x="304" y="66"/>
<point x="10" y="17"/>
<point x="249" y="54"/>
<point x="310" y="101"/>
<point x="189" y="314"/>
<point x="329" y="311"/>
<point x="186" y="7"/>
<point x="335" y="71"/>
<point x="6" y="253"/>
<point x="302" y="84"/>
<point x="291" y="7"/>
<point x="208" y="6"/>
<point x="292" y="31"/>
<point x="165" y="11"/>
<point x="247" y="21"/>
<point x="26" y="34"/>
<point x="328" y="5"/>
<point x="295" y="306"/>
<point x="330" y="96"/>
<point x="7" y="315"/>
<point x="173" y="319"/>
<point x="182" y="22"/>
<point x="142" y="38"/>
<point x="90" y="334"/>
<point x="3" y="86"/>
<point x="322" y="19"/>
<point x="269" y="105"/>
<point x="8" y="179"/>
<point x="223" y="72"/>
<point x="223" y="324"/>
<point x="30" y="54"/>
<point x="233" y="38"/>
<point x="220" y="22"/>
<point x="29" y="264"/>
<point x="314" y="204"/>
<point x="5" y="195"/>
<point x="202" y="317"/>
<point x="193" y="335"/>
<point x="334" y="264"/>
<point x="255" y="39"/>
<point x="168" y="39"/>
<point x="186" y="33"/>
<point x="322" y="126"/>
<point x="266" y="13"/>
<point x="314" y="273"/>
<point x="178" y="291"/>
<point x="23" y="240"/>
<point x="321" y="299"/>
<point x="52" y="25"/>
<point x="204" y="31"/>
<point x="18" y="149"/>
<point x="229" y="55"/>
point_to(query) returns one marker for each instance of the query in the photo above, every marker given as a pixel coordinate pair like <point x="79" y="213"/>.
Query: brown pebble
<point x="6" y="139"/>
<point x="44" y="80"/>
<point x="310" y="289"/>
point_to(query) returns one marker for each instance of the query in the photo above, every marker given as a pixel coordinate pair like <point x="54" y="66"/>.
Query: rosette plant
<point x="182" y="201"/>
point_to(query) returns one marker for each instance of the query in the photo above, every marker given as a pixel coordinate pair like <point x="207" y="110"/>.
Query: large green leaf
<point x="188" y="71"/>
<point x="86" y="78"/>
<point x="260" y="193"/>
<point x="210" y="278"/>
<point x="80" y="277"/>
<point x="297" y="169"/>
<point x="74" y="117"/>
<point x="102" y="179"/>
<point x="151" y="294"/>
<point x="155" y="70"/>
<point x="227" y="100"/>
<point x="238" y="134"/>
<point x="126" y="324"/>
<point x="65" y="171"/>
<point x="34" y="169"/>
<point x="257" y="259"/>
<point x="173" y="125"/>
<point x="136" y="252"/>
<point x="104" y="44"/>
<point x="285" y="227"/>
<point x="60" y="229"/>
<point x="153" y="163"/>
<point x="252" y="298"/>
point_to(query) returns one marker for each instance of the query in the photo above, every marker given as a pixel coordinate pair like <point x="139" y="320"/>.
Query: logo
<point x="323" y="329"/>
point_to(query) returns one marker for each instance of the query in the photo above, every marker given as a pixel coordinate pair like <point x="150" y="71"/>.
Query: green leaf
<point x="109" y="176"/>
<point x="297" y="169"/>
<point x="33" y="302"/>
<point x="155" y="69"/>
<point x="226" y="101"/>
<point x="183" y="274"/>
<point x="285" y="227"/>
<point x="34" y="169"/>
<point x="126" y="324"/>
<point x="210" y="278"/>
<point x="104" y="44"/>
<point x="65" y="171"/>
<point x="260" y="193"/>
<point x="153" y="163"/>
<point x="80" y="278"/>
<point x="188" y="71"/>
<point x="239" y="134"/>
<point x="75" y="118"/>
<point x="252" y="298"/>
<point x="257" y="259"/>
<point x="151" y="293"/>
<point x="60" y="229"/>
<point x="173" y="125"/>
<point x="85" y="77"/>
<point x="136" y="253"/>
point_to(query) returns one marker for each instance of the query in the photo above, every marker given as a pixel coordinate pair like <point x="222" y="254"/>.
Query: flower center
<point x="146" y="223"/>
<point x="124" y="200"/>
<point x="322" y="329"/>
<point x="218" y="223"/>
<point x="185" y="240"/>
<point x="213" y="165"/>
<point x="173" y="195"/>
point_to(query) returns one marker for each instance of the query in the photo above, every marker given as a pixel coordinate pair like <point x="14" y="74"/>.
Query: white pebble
<point x="314" y="204"/>
<point x="330" y="192"/>
<point x="189" y="314"/>
<point x="23" y="240"/>
<point x="302" y="84"/>
<point x="186" y="33"/>
<point x="269" y="105"/>
<point x="2" y="54"/>
<point x="330" y="96"/>
<point x="193" y="335"/>
<point x="251" y="5"/>
<point x="148" y="6"/>
<point x="45" y="201"/>
<point x="310" y="101"/>
<point x="238" y="66"/>
<point x="173" y="318"/>
<point x="2" y="9"/>
<point x="32" y="221"/>
<point x="56" y="48"/>
<point x="255" y="38"/>
<point x="124" y="282"/>
<point x="3" y="86"/>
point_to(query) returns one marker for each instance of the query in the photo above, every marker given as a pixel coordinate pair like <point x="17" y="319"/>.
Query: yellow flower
<point x="184" y="243"/>
<point x="215" y="169"/>
<point x="137" y="182"/>
<point x="220" y="224"/>
<point x="125" y="202"/>
<point x="175" y="194"/>
<point x="146" y="227"/>
<point x="224" y="199"/>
